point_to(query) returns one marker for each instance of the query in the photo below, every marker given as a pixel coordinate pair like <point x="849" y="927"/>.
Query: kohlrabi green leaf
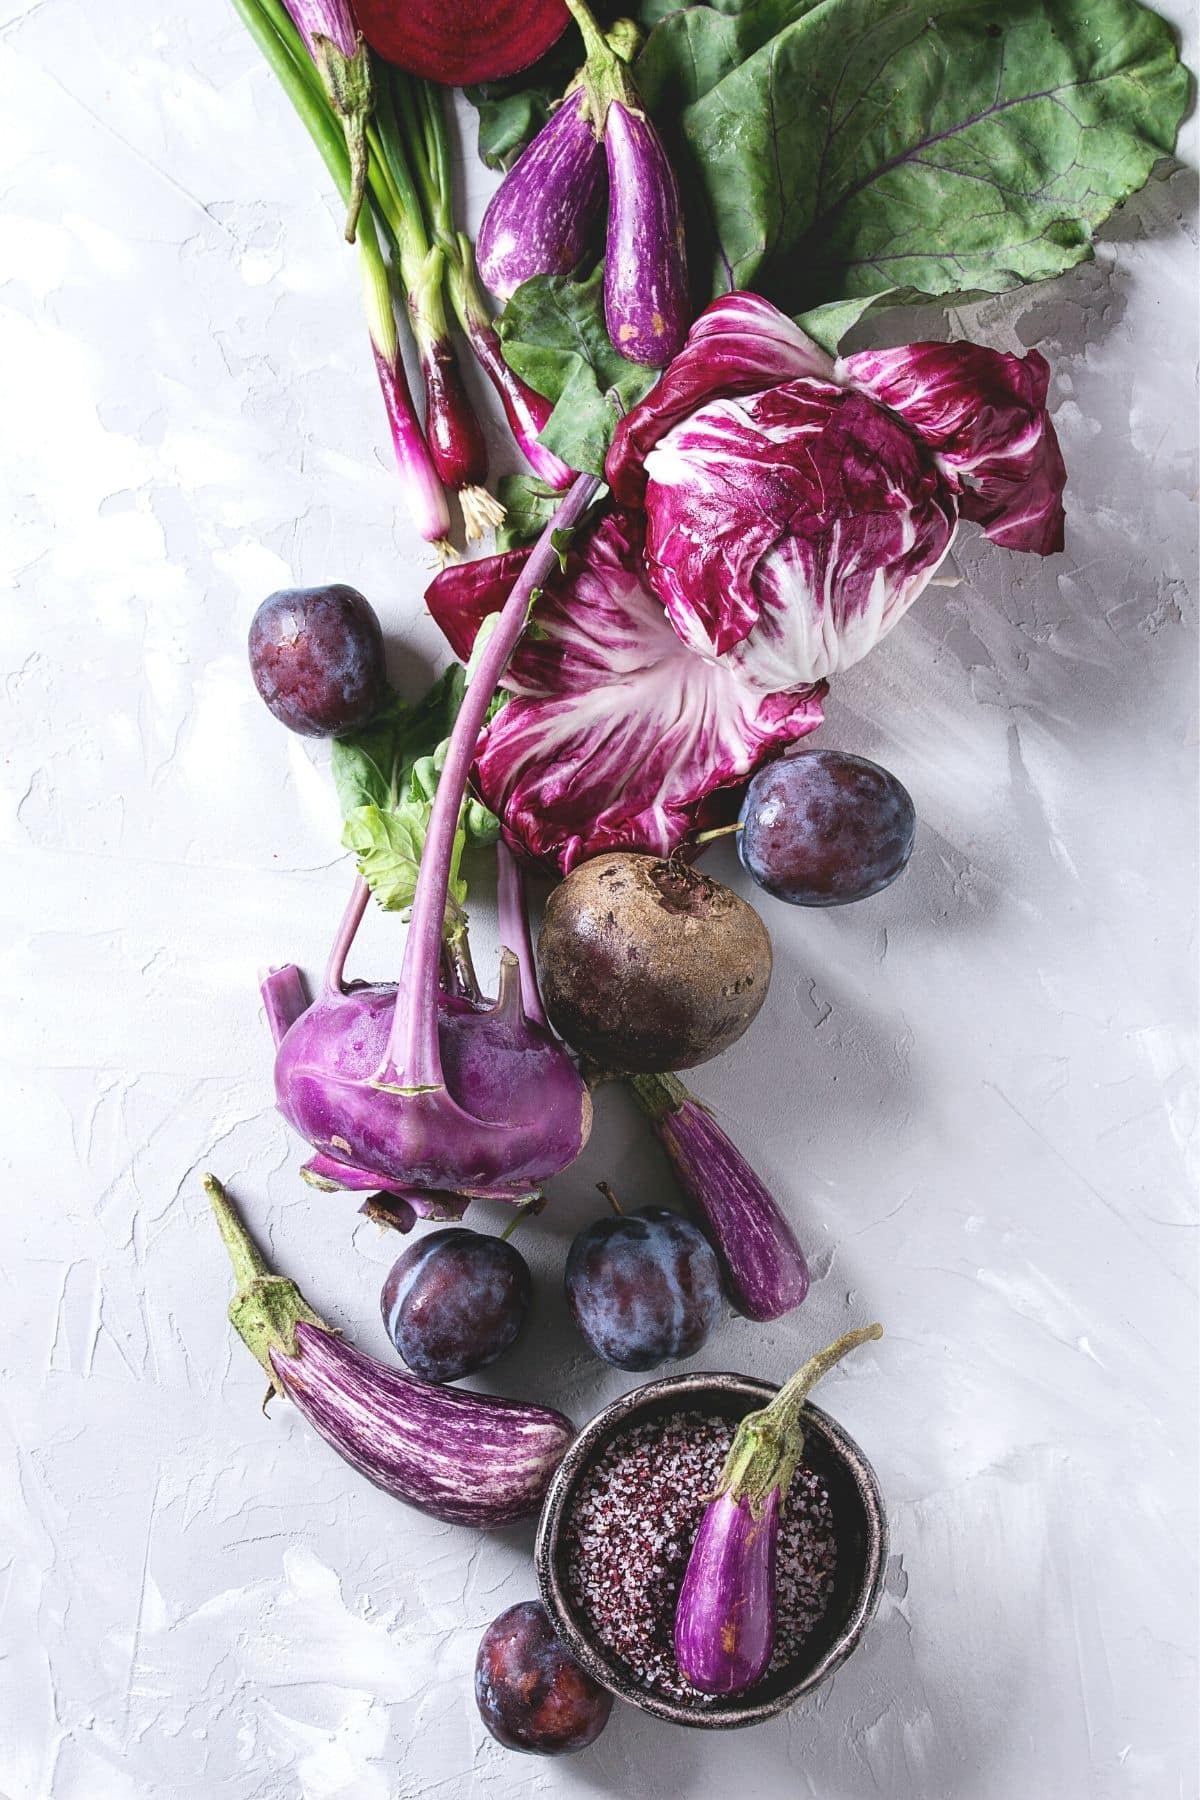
<point x="386" y="777"/>
<point x="875" y="144"/>
<point x="554" y="336"/>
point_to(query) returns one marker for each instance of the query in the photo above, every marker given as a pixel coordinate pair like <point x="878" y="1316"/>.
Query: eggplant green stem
<point x="658" y="1094"/>
<point x="605" y="75"/>
<point x="768" y="1446"/>
<point x="267" y="1307"/>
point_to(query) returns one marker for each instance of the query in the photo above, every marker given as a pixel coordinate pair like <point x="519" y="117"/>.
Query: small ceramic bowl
<point x="859" y="1522"/>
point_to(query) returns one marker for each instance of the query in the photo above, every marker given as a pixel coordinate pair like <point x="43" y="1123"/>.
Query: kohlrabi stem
<point x="352" y="918"/>
<point x="513" y="922"/>
<point x="414" y="1058"/>
<point x="521" y="1213"/>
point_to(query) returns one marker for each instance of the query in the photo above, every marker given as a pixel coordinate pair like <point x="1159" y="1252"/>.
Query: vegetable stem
<point x="248" y="1262"/>
<point x="594" y="41"/>
<point x="606" y="1190"/>
<point x="658" y="1094"/>
<point x="787" y="1405"/>
<point x="276" y="36"/>
<point x="521" y="1213"/>
<point x="352" y="918"/>
<point x="413" y="1057"/>
<point x="267" y="1307"/>
<point x="769" y="1444"/>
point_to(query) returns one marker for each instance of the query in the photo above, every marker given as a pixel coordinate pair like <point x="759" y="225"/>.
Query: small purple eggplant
<point x="471" y="1459"/>
<point x="764" y="1269"/>
<point x="725" y="1620"/>
<point x="645" y="264"/>
<point x="732" y="1564"/>
<point x="541" y="217"/>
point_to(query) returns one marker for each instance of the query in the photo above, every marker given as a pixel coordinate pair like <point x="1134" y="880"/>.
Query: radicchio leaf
<point x="796" y="507"/>
<point x="984" y="413"/>
<point x="616" y="733"/>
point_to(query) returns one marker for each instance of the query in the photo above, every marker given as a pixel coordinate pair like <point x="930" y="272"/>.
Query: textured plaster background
<point x="974" y="1093"/>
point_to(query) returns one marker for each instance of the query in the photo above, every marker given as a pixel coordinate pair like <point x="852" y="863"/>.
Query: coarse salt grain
<point x="630" y="1534"/>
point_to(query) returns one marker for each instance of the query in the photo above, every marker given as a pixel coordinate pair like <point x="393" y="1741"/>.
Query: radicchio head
<point x="795" y="506"/>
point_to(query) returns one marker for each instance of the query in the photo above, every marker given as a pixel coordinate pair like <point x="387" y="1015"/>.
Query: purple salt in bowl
<point x="860" y="1526"/>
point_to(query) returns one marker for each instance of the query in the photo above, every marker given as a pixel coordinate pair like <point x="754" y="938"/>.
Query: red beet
<point x="457" y="45"/>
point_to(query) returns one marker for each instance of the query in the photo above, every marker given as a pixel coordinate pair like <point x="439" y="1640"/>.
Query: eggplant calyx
<point x="605" y="75"/>
<point x="769" y="1445"/>
<point x="658" y="1095"/>
<point x="266" y="1308"/>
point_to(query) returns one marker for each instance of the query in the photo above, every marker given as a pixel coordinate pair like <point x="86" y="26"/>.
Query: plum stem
<point x="611" y="1198"/>
<point x="521" y="1212"/>
<point x="718" y="831"/>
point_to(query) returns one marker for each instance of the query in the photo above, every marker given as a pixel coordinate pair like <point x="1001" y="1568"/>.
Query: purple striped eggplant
<point x="733" y="1563"/>
<point x="645" y="263"/>
<point x="542" y="216"/>
<point x="764" y="1268"/>
<point x="470" y="1459"/>
<point x="725" y="1619"/>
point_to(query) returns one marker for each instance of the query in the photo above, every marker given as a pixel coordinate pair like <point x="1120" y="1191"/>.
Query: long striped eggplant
<point x="471" y="1459"/>
<point x="645" y="263"/>
<point x="541" y="218"/>
<point x="764" y="1268"/>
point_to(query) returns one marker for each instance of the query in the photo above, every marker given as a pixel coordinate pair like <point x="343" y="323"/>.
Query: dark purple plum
<point x="316" y="655"/>
<point x="822" y="828"/>
<point x="531" y="1693"/>
<point x="454" y="1302"/>
<point x="643" y="1287"/>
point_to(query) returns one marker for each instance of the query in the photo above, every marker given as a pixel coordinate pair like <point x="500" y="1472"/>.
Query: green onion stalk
<point x="287" y="51"/>
<point x="412" y="187"/>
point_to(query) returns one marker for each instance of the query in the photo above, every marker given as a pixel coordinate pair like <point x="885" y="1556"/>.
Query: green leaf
<point x="876" y="144"/>
<point x="529" y="505"/>
<point x="372" y="767"/>
<point x="554" y="337"/>
<point x="695" y="47"/>
<point x="388" y="846"/>
<point x="827" y="325"/>
<point x="512" y="112"/>
<point x="386" y="778"/>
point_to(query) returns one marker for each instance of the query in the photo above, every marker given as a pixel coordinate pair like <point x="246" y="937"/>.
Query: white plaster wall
<point x="974" y="1094"/>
